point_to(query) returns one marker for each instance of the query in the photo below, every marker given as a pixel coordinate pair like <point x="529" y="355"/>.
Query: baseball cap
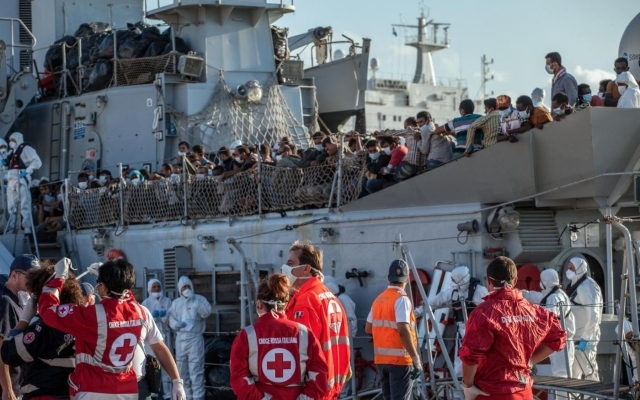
<point x="398" y="271"/>
<point x="87" y="289"/>
<point x="24" y="262"/>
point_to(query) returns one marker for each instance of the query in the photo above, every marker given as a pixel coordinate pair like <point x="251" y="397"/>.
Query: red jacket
<point x="277" y="357"/>
<point x="314" y="306"/>
<point x="502" y="334"/>
<point x="106" y="338"/>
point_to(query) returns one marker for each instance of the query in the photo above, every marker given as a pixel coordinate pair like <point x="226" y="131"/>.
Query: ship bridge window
<point x="384" y="117"/>
<point x="406" y="100"/>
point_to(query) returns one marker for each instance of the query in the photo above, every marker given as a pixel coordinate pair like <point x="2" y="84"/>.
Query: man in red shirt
<point x="505" y="336"/>
<point x="314" y="306"/>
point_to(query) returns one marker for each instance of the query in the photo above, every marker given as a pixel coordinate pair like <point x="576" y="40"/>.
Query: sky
<point x="515" y="33"/>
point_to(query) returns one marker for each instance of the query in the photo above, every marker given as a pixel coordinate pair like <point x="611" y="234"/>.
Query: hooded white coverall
<point x="17" y="187"/>
<point x="628" y="328"/>
<point x="631" y="96"/>
<point x="538" y="98"/>
<point x="587" y="310"/>
<point x="160" y="307"/>
<point x="187" y="317"/>
<point x="460" y="279"/>
<point x="556" y="301"/>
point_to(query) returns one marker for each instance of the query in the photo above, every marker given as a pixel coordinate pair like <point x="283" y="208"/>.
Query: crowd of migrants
<point x="388" y="157"/>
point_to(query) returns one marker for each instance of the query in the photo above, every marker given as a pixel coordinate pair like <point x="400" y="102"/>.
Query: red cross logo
<point x="278" y="365"/>
<point x="122" y="349"/>
<point x="335" y="315"/>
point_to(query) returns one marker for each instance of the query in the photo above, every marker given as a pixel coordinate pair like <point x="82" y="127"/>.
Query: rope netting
<point x="137" y="71"/>
<point x="246" y="193"/>
<point x="227" y="118"/>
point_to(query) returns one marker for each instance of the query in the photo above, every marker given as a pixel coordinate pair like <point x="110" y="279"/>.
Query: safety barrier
<point x="188" y="197"/>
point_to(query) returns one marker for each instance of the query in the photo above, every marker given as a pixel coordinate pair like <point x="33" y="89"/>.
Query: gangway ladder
<point x="627" y="291"/>
<point x="54" y="147"/>
<point x="427" y="311"/>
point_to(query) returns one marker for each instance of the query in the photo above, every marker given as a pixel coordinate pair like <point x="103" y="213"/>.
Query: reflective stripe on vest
<point x="388" y="347"/>
<point x="303" y="346"/>
<point x="253" y="350"/>
<point x="88" y="359"/>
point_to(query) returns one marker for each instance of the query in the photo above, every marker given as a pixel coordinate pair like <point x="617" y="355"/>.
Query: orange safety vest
<point x="387" y="345"/>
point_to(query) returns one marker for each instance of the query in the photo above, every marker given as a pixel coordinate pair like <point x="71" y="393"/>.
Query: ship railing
<point x="151" y="5"/>
<point x="20" y="30"/>
<point x="406" y="78"/>
<point x="189" y="197"/>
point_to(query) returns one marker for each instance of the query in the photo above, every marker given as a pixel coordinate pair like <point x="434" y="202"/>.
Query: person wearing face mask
<point x="159" y="305"/>
<point x="24" y="160"/>
<point x="505" y="335"/>
<point x="384" y="166"/>
<point x="489" y="124"/>
<point x="286" y="158"/>
<point x="243" y="160"/>
<point x="562" y="81"/>
<point x="276" y="358"/>
<point x="135" y="176"/>
<point x="376" y="161"/>
<point x="586" y="99"/>
<point x="556" y="300"/>
<point x="560" y="107"/>
<point x="187" y="318"/>
<point x="529" y="117"/>
<point x="628" y="89"/>
<point x="537" y="96"/>
<point x="436" y="148"/>
<point x="509" y="117"/>
<point x="458" y="127"/>
<point x="463" y="286"/>
<point x="105" y="177"/>
<point x="4" y="154"/>
<point x="315" y="307"/>
<point x="89" y="170"/>
<point x="586" y="297"/>
<point x="612" y="94"/>
<point x="392" y="324"/>
<point x="106" y="334"/>
<point x="311" y="156"/>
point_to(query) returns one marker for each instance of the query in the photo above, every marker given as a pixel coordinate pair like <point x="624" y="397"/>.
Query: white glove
<point x="93" y="268"/>
<point x="417" y="312"/>
<point x="471" y="393"/>
<point x="29" y="310"/>
<point x="62" y="268"/>
<point x="177" y="392"/>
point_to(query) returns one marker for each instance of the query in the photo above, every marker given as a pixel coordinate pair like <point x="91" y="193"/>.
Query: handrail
<point x="13" y="44"/>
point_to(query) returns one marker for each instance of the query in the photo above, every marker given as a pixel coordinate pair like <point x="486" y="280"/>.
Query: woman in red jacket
<point x="276" y="358"/>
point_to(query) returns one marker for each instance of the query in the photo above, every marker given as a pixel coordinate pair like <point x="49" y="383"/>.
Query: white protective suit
<point x="557" y="301"/>
<point x="187" y="317"/>
<point x="17" y="186"/>
<point x="347" y="304"/>
<point x="628" y="328"/>
<point x="159" y="309"/>
<point x="586" y="298"/>
<point x="460" y="279"/>
<point x="631" y="96"/>
<point x="538" y="98"/>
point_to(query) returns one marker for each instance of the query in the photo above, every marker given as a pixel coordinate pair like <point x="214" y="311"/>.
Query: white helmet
<point x="17" y="136"/>
<point x="235" y="144"/>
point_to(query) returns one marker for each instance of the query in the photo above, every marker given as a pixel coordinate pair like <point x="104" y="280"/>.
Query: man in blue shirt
<point x="562" y="81"/>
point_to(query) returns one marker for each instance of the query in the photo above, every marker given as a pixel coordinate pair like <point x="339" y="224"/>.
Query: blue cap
<point x="25" y="262"/>
<point x="87" y="288"/>
<point x="398" y="271"/>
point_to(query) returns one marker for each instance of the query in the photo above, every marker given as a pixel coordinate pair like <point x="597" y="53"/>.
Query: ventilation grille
<point x="170" y="269"/>
<point x="24" y="13"/>
<point x="538" y="230"/>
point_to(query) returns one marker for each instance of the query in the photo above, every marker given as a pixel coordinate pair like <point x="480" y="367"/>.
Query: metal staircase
<point x="537" y="238"/>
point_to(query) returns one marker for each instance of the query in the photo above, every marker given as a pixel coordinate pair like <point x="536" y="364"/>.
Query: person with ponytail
<point x="276" y="358"/>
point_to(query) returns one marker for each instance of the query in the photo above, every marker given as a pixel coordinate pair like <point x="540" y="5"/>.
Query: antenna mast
<point x="486" y="75"/>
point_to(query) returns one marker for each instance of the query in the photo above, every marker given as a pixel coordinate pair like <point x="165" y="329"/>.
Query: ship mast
<point x="426" y="42"/>
<point x="486" y="75"/>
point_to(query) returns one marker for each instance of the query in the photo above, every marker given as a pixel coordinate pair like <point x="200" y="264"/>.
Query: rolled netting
<point x="227" y="118"/>
<point x="246" y="193"/>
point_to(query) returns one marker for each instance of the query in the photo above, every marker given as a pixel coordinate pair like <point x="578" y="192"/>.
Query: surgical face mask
<point x="199" y="177"/>
<point x="287" y="270"/>
<point x="135" y="181"/>
<point x="387" y="150"/>
<point x="319" y="147"/>
<point x="103" y="179"/>
<point x="13" y="145"/>
<point x="3" y="152"/>
<point x="82" y="185"/>
<point x="587" y="97"/>
<point x="188" y="293"/>
<point x="505" y="113"/>
<point x="238" y="159"/>
<point x="174" y="177"/>
<point x="49" y="198"/>
<point x="278" y="157"/>
<point x="274" y="154"/>
<point x="523" y="114"/>
<point x="374" y="156"/>
<point x="622" y="89"/>
<point x="558" y="111"/>
<point x="570" y="274"/>
<point x="91" y="177"/>
<point x="549" y="69"/>
<point x="182" y="153"/>
<point x="155" y="295"/>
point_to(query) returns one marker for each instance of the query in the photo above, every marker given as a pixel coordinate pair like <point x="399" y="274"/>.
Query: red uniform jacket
<point x="318" y="309"/>
<point x="106" y="338"/>
<point x="278" y="358"/>
<point x="502" y="334"/>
